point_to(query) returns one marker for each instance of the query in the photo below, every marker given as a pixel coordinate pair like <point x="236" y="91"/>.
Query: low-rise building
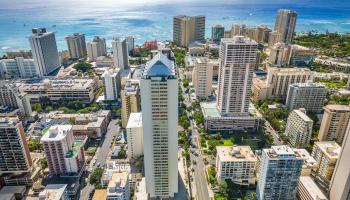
<point x="214" y="121"/>
<point x="326" y="155"/>
<point x="54" y="192"/>
<point x="310" y="96"/>
<point x="299" y="128"/>
<point x="58" y="89"/>
<point x="237" y="163"/>
<point x="92" y="125"/>
<point x="308" y="190"/>
<point x="118" y="187"/>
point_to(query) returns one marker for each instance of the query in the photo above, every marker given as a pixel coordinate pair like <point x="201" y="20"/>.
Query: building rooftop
<point x="76" y="148"/>
<point x="283" y="152"/>
<point x="135" y="120"/>
<point x="338" y="107"/>
<point x="210" y="109"/>
<point x="159" y="66"/>
<point x="308" y="84"/>
<point x="12" y="190"/>
<point x="100" y="194"/>
<point x="238" y="40"/>
<point x="118" y="180"/>
<point x="302" y="114"/>
<point x="312" y="188"/>
<point x="235" y="153"/>
<point x="53" y="192"/>
<point x="330" y="148"/>
<point x="7" y="196"/>
<point x="57" y="84"/>
<point x="56" y="133"/>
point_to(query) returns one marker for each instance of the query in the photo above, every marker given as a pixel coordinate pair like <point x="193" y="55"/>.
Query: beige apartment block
<point x="202" y="77"/>
<point x="326" y="155"/>
<point x="237" y="163"/>
<point x="131" y="101"/>
<point x="334" y="123"/>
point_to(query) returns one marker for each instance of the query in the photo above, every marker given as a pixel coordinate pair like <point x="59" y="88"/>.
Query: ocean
<point x="152" y="19"/>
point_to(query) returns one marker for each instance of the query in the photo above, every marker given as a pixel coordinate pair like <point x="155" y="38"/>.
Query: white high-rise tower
<point x="236" y="66"/>
<point x="44" y="50"/>
<point x="159" y="103"/>
<point x="120" y="53"/>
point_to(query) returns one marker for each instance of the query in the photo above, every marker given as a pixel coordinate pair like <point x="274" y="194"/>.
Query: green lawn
<point x="227" y="142"/>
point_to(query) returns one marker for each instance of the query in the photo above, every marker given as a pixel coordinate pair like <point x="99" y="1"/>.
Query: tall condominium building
<point x="326" y="155"/>
<point x="120" y="53"/>
<point x="130" y="40"/>
<point x="285" y="24"/>
<point x="274" y="37"/>
<point x="17" y="68"/>
<point x="279" y="173"/>
<point x="111" y="82"/>
<point x="237" y="163"/>
<point x="237" y="62"/>
<point x="334" y="123"/>
<point x="76" y="45"/>
<point x="131" y="101"/>
<point x="134" y="131"/>
<point x="262" y="34"/>
<point x="310" y="96"/>
<point x="308" y="190"/>
<point x="188" y="29"/>
<point x="118" y="187"/>
<point x="278" y="55"/>
<point x="12" y="97"/>
<point x="64" y="154"/>
<point x="299" y="128"/>
<point x="14" y="152"/>
<point x="235" y="30"/>
<point x="217" y="32"/>
<point x="96" y="48"/>
<point x="159" y="103"/>
<point x="279" y="80"/>
<point x="340" y="182"/>
<point x="44" y="50"/>
<point x="202" y="77"/>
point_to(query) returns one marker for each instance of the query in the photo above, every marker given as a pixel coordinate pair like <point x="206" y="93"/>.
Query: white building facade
<point x="110" y="81"/>
<point x="134" y="131"/>
<point x="159" y="103"/>
<point x="120" y="53"/>
<point x="44" y="50"/>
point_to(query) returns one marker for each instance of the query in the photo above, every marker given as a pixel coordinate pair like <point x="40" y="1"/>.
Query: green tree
<point x="37" y="107"/>
<point x="82" y="66"/>
<point x="96" y="175"/>
<point x="43" y="163"/>
<point x="223" y="188"/>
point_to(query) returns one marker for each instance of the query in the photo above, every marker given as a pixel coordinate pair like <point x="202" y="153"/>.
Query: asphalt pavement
<point x="101" y="155"/>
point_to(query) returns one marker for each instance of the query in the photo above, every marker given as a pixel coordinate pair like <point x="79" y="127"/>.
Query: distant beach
<point x="152" y="21"/>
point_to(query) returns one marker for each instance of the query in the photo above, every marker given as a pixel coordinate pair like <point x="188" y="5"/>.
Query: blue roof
<point x="159" y="66"/>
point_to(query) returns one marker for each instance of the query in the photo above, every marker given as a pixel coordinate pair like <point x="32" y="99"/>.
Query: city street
<point x="101" y="155"/>
<point x="199" y="167"/>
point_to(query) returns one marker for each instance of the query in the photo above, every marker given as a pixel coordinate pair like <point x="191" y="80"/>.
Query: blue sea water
<point x="152" y="19"/>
